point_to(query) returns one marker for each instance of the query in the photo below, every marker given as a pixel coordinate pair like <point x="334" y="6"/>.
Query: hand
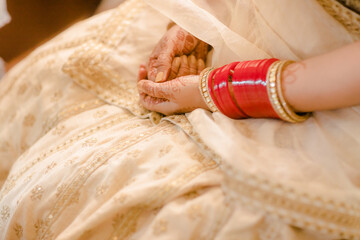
<point x="179" y="95"/>
<point x="165" y="61"/>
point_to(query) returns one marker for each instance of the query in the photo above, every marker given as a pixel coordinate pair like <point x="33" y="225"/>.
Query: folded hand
<point x="171" y="53"/>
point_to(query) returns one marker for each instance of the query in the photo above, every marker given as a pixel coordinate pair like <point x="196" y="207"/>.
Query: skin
<point x="173" y="51"/>
<point x="324" y="82"/>
<point x="175" y="96"/>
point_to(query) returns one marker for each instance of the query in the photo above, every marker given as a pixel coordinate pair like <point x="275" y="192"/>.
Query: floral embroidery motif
<point x="21" y="90"/>
<point x="100" y="113"/>
<point x="50" y="166"/>
<point x="56" y="96"/>
<point x="89" y="142"/>
<point x="107" y="123"/>
<point x="72" y="199"/>
<point x="41" y="229"/>
<point x="5" y="213"/>
<point x="37" y="192"/>
<point x="18" y="229"/>
<point x="121" y="199"/>
<point x="70" y="111"/>
<point x="161" y="172"/>
<point x="165" y="150"/>
<point x="37" y="89"/>
<point x="100" y="190"/>
<point x="160" y="227"/>
<point x="29" y="120"/>
<point x="58" y="130"/>
<point x="195" y="211"/>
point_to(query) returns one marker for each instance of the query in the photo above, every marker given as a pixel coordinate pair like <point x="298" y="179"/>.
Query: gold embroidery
<point x="72" y="199"/>
<point x="106" y="123"/>
<point x="100" y="190"/>
<point x="349" y="19"/>
<point x="160" y="227"/>
<point x="18" y="229"/>
<point x="100" y="113"/>
<point x="70" y="162"/>
<point x="5" y="213"/>
<point x="24" y="146"/>
<point x="157" y="197"/>
<point x="50" y="166"/>
<point x="336" y="218"/>
<point x="89" y="142"/>
<point x="23" y="87"/>
<point x="36" y="56"/>
<point x="70" y="111"/>
<point x="161" y="172"/>
<point x="195" y="211"/>
<point x="29" y="120"/>
<point x="28" y="178"/>
<point x="67" y="192"/>
<point x="134" y="153"/>
<point x="121" y="199"/>
<point x="40" y="230"/>
<point x="37" y="192"/>
<point x="165" y="150"/>
<point x="58" y="130"/>
<point x="56" y="96"/>
<point x="37" y="89"/>
<point x="123" y="219"/>
<point x="87" y="65"/>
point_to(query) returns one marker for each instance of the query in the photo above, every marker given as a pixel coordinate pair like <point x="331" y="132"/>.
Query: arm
<point x="324" y="82"/>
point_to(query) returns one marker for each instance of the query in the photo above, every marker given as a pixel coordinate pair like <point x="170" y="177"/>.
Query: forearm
<point x="324" y="82"/>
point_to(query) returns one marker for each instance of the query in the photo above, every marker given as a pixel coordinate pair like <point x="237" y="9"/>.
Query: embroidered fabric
<point x="83" y="166"/>
<point x="352" y="4"/>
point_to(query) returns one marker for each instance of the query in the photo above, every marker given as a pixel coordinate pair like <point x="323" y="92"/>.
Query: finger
<point x="156" y="90"/>
<point x="142" y="72"/>
<point x="161" y="58"/>
<point x="184" y="67"/>
<point x="158" y="105"/>
<point x="201" y="50"/>
<point x="192" y="65"/>
<point x="200" y="65"/>
<point x="174" y="68"/>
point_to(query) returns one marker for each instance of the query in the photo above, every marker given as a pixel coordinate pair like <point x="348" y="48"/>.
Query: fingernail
<point x="159" y="77"/>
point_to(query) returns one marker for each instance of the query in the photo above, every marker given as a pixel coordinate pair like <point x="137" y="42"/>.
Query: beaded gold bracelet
<point x="203" y="87"/>
<point x="276" y="96"/>
<point x="288" y="109"/>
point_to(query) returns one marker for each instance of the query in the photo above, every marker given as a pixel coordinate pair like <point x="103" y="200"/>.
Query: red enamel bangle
<point x="250" y="91"/>
<point x="222" y="92"/>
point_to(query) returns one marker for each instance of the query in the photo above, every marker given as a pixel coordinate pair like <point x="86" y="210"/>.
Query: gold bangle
<point x="272" y="92"/>
<point x="203" y="87"/>
<point x="288" y="109"/>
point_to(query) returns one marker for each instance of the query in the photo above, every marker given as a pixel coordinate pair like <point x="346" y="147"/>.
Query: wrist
<point x="251" y="89"/>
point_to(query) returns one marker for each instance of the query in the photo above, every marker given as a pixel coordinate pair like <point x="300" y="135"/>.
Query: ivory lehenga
<point x="81" y="159"/>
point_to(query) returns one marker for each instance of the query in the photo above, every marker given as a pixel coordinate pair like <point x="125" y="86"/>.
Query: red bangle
<point x="222" y="92"/>
<point x="211" y="89"/>
<point x="250" y="91"/>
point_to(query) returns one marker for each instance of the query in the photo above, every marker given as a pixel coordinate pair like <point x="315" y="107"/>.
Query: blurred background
<point x="33" y="22"/>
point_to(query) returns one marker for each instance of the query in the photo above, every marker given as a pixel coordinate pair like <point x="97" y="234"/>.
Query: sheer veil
<point x="283" y="169"/>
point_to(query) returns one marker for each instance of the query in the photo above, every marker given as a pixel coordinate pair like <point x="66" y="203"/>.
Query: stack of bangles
<point x="249" y="89"/>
